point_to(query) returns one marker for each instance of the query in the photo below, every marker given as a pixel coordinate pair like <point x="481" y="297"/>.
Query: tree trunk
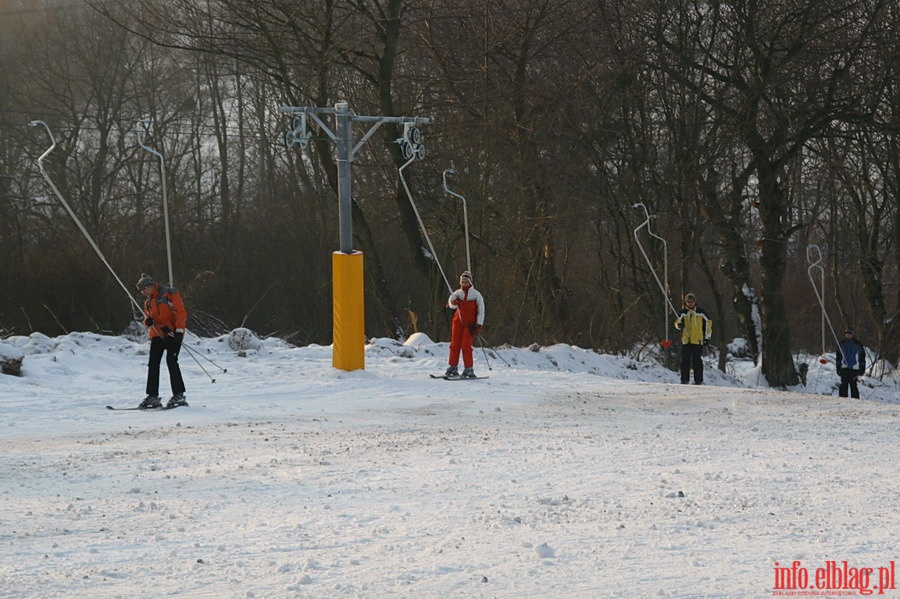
<point x="778" y="364"/>
<point x="725" y="214"/>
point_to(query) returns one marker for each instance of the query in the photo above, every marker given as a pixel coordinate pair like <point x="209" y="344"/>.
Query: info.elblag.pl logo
<point x="797" y="580"/>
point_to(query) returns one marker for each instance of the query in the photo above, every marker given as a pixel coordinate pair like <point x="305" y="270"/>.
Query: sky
<point x="564" y="473"/>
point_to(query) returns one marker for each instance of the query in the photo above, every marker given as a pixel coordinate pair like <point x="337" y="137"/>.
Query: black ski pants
<point x="691" y="357"/>
<point x="848" y="379"/>
<point x="171" y="346"/>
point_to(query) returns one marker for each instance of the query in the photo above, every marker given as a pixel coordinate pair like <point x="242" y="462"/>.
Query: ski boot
<point x="150" y="402"/>
<point x="468" y="373"/>
<point x="452" y="371"/>
<point x="177" y="401"/>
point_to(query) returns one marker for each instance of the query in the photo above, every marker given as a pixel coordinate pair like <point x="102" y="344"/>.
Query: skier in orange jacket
<point x="166" y="319"/>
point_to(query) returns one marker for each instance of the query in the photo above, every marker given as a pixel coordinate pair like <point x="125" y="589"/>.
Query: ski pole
<point x="191" y="354"/>
<point x="710" y="358"/>
<point x="485" y="353"/>
<point x="194" y="351"/>
<point x="482" y="340"/>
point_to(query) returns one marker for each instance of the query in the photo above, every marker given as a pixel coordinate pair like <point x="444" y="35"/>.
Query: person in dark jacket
<point x="165" y="318"/>
<point x="696" y="330"/>
<point x="851" y="364"/>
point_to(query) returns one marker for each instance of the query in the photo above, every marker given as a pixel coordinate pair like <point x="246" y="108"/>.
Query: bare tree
<point x="750" y="129"/>
<point x="777" y="74"/>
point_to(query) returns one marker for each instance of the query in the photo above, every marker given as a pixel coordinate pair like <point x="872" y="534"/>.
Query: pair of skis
<point x="456" y="378"/>
<point x="159" y="409"/>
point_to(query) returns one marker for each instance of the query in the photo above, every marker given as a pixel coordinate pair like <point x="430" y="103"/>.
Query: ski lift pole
<point x="465" y="216"/>
<point x="162" y="170"/>
<point x="664" y="288"/>
<point x="412" y="159"/>
<point x="348" y="324"/>
<point x="814" y="258"/>
<point x="71" y="213"/>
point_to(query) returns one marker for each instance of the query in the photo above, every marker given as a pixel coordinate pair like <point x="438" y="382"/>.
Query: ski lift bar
<point x="412" y="158"/>
<point x="162" y="168"/>
<point x="71" y="213"/>
<point x="663" y="287"/>
<point x="465" y="215"/>
<point x="814" y="258"/>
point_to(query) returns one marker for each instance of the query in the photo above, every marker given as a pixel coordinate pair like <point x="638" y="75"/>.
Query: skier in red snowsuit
<point x="467" y="323"/>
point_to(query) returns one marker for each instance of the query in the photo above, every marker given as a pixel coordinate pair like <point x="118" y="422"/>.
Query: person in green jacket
<point x="696" y="331"/>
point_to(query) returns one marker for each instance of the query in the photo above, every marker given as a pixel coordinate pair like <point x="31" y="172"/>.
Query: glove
<point x="166" y="331"/>
<point x="475" y="329"/>
<point x="176" y="340"/>
<point x="148" y="321"/>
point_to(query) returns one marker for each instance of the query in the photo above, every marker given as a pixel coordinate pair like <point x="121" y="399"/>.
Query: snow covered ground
<point x="564" y="474"/>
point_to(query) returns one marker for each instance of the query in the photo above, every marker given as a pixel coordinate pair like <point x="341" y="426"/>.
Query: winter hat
<point x="465" y="276"/>
<point x="144" y="281"/>
<point x="850" y="330"/>
<point x="690" y="297"/>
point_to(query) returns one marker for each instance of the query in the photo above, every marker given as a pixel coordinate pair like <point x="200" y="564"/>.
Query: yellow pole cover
<point x="349" y="314"/>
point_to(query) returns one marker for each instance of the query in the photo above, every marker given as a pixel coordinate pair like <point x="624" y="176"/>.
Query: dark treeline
<point x="761" y="135"/>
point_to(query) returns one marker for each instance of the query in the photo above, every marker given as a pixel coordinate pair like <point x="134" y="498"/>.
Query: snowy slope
<point x="566" y="473"/>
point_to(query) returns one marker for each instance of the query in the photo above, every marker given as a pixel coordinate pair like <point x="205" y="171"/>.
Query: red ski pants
<point x="460" y="340"/>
